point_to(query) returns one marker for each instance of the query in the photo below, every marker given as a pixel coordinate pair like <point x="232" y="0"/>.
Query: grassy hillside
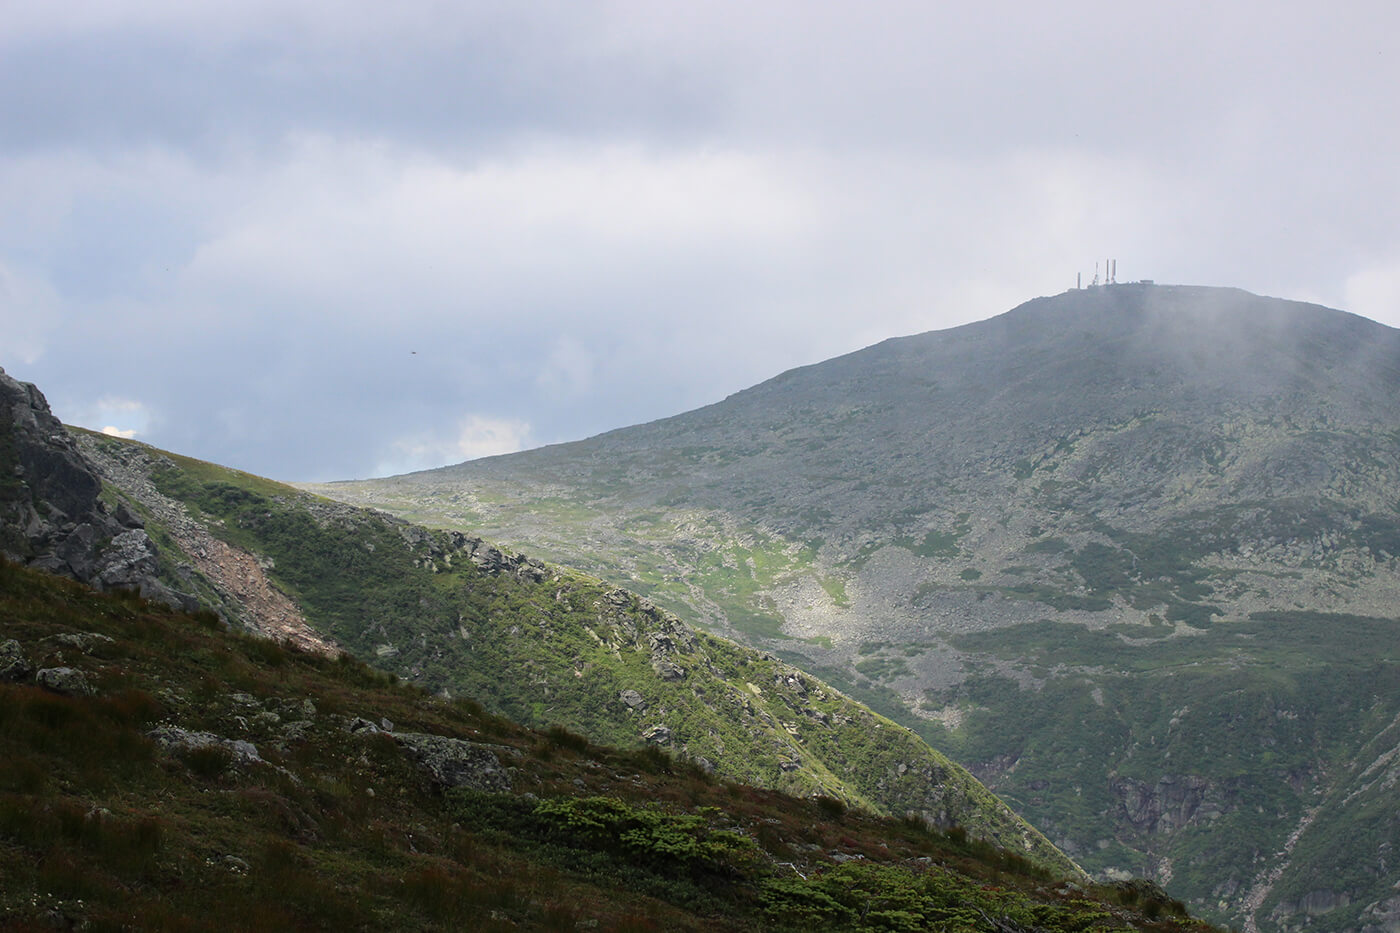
<point x="184" y="776"/>
<point x="547" y="647"/>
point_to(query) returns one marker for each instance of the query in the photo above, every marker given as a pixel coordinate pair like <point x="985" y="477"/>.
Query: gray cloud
<point x="321" y="240"/>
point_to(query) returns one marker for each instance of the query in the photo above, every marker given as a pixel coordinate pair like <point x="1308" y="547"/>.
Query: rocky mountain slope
<point x="548" y="647"/>
<point x="158" y="771"/>
<point x="454" y="614"/>
<point x="1134" y="551"/>
<point x="52" y="514"/>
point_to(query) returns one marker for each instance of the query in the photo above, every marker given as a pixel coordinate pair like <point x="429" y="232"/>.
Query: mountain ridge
<point x="330" y="577"/>
<point x="1006" y="535"/>
<point x="591" y="658"/>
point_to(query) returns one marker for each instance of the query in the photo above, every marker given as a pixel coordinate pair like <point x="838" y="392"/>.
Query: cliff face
<point x="52" y="515"/>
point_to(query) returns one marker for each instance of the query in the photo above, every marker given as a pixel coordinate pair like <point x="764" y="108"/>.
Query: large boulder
<point x="65" y="680"/>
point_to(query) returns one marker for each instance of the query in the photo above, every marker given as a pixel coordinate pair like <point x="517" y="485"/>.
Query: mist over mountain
<point x="1130" y="552"/>
<point x="1168" y="368"/>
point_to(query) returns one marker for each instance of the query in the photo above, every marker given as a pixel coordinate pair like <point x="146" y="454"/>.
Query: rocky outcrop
<point x="439" y="551"/>
<point x="64" y="680"/>
<point x="455" y="762"/>
<point x="657" y="735"/>
<point x="86" y="642"/>
<point x="14" y="665"/>
<point x="173" y="738"/>
<point x="1173" y="802"/>
<point x="51" y="513"/>
<point x="1382" y="916"/>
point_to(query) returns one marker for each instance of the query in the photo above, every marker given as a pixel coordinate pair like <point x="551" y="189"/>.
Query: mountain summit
<point x="1132" y="552"/>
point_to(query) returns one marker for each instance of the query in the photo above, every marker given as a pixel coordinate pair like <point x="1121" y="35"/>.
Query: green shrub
<point x="652" y="837"/>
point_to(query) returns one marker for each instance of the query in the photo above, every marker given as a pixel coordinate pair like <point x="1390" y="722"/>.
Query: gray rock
<point x="235" y="864"/>
<point x="54" y="473"/>
<point x="173" y="737"/>
<point x="657" y="735"/>
<point x="127" y="518"/>
<point x="1383" y="916"/>
<point x="86" y="642"/>
<point x="361" y="726"/>
<point x="64" y="680"/>
<point x="531" y="570"/>
<point x="14" y="666"/>
<point x="53" y="518"/>
<point x="79" y="551"/>
<point x="127" y="561"/>
<point x="667" y="670"/>
<point x="456" y="762"/>
<point x="492" y="560"/>
<point x="1315" y="903"/>
<point x="1175" y="801"/>
<point x="633" y="699"/>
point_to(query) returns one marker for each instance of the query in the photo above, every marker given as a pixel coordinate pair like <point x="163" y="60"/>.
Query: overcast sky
<point x="335" y="239"/>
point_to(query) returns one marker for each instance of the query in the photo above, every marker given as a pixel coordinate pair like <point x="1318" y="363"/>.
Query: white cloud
<point x="370" y="226"/>
<point x="1374" y="291"/>
<point x="476" y="436"/>
<point x="120" y="417"/>
<point x="488" y="437"/>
